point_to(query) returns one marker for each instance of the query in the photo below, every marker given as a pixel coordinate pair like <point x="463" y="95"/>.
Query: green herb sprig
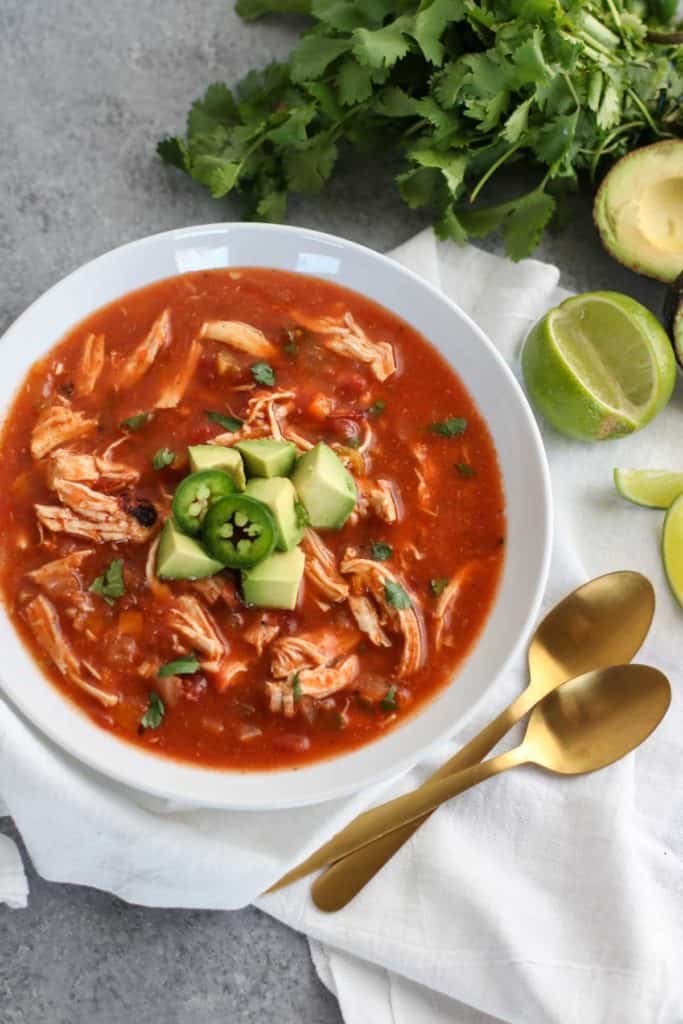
<point x="110" y="585"/>
<point x="458" y="90"/>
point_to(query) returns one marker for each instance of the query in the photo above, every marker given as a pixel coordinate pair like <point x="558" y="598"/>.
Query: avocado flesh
<point x="217" y="456"/>
<point x="638" y="210"/>
<point x="274" y="582"/>
<point x="279" y="495"/>
<point x="325" y="488"/>
<point x="266" y="457"/>
<point x="180" y="557"/>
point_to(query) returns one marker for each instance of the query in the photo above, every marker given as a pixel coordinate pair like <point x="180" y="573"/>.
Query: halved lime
<point x="599" y="366"/>
<point x="672" y="548"/>
<point x="654" y="488"/>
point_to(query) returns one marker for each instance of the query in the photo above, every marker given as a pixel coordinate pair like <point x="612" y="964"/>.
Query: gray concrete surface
<point x="87" y="89"/>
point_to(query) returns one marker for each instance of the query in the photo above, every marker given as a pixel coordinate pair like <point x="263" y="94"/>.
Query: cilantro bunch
<point x="458" y="89"/>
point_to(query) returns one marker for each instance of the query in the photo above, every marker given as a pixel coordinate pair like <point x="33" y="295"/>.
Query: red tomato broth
<point x="204" y="728"/>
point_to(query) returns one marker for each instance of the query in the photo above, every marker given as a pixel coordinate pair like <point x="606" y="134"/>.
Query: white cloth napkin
<point x="531" y="899"/>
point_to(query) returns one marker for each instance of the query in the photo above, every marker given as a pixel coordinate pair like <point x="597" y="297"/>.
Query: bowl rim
<point x="189" y="780"/>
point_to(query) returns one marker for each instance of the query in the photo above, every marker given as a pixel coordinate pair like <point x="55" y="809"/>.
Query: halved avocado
<point x="673" y="317"/>
<point x="638" y="210"/>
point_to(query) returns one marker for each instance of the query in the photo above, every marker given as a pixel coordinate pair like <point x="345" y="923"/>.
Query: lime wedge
<point x="599" y="366"/>
<point x="654" y="488"/>
<point x="672" y="548"/>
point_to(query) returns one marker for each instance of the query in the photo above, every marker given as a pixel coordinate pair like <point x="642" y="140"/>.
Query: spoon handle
<point x="331" y="890"/>
<point x="376" y="856"/>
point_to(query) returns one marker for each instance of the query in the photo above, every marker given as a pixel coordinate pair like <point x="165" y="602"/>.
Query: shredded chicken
<point x="56" y="425"/>
<point x="373" y="577"/>
<point x="93" y="469"/>
<point x="90" y="365"/>
<point x="44" y="621"/>
<point x="189" y="618"/>
<point x="98" y="517"/>
<point x="291" y="434"/>
<point x="367" y="619"/>
<point x="347" y="338"/>
<point x="321" y="568"/>
<point x="261" y="633"/>
<point x="228" y="672"/>
<point x="291" y="654"/>
<point x="378" y="497"/>
<point x="217" y="588"/>
<point x="263" y="417"/>
<point x="139" y="361"/>
<point x="160" y="591"/>
<point x="426" y="474"/>
<point x="61" y="576"/>
<point x="175" y="390"/>
<point x="445" y="606"/>
<point x="318" y="682"/>
<point x="241" y="336"/>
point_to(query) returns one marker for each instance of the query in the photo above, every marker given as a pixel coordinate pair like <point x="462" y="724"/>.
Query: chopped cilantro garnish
<point x="380" y="551"/>
<point x="465" y="470"/>
<point x="185" y="666"/>
<point x="296" y="687"/>
<point x="264" y="374"/>
<point x="164" y="457"/>
<point x="389" y="702"/>
<point x="290" y="346"/>
<point x="353" y="442"/>
<point x="451" y="427"/>
<point x="396" y="596"/>
<point x="110" y="584"/>
<point x="377" y="407"/>
<point x="229" y="423"/>
<point x="438" y="585"/>
<point x="155" y="712"/>
<point x="134" y="423"/>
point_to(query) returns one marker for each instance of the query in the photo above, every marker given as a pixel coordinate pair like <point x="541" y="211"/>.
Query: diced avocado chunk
<point x="279" y="495"/>
<point x="325" y="488"/>
<point x="274" y="582"/>
<point x="179" y="557"/>
<point x="217" y="456"/>
<point x="267" y="457"/>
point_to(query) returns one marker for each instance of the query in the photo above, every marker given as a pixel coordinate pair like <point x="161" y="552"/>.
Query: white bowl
<point x="498" y="397"/>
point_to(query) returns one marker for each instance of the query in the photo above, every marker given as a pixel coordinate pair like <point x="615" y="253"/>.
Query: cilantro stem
<point x="645" y="112"/>
<point x="492" y="170"/>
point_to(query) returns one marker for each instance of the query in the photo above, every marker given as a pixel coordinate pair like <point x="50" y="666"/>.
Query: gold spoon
<point x="586" y="724"/>
<point x="602" y="623"/>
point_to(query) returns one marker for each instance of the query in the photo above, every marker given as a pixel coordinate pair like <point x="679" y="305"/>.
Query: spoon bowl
<point x="590" y="722"/>
<point x="601" y="623"/>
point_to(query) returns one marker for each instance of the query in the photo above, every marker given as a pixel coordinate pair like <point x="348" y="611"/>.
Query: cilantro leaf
<point x="396" y="596"/>
<point x="110" y="585"/>
<point x="464" y="469"/>
<point x="296" y="688"/>
<point x="185" y="666"/>
<point x="308" y="167"/>
<point x="382" y="47"/>
<point x="264" y="374"/>
<point x="313" y="55"/>
<point x="377" y="407"/>
<point x="389" y="702"/>
<point x="430" y="24"/>
<point x="523" y="228"/>
<point x="438" y="585"/>
<point x="162" y="458"/>
<point x="135" y="423"/>
<point x="354" y="83"/>
<point x="451" y="427"/>
<point x="380" y="551"/>
<point x="229" y="423"/>
<point x="154" y="715"/>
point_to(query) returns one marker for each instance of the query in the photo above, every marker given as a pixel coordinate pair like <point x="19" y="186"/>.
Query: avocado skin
<point x="644" y="161"/>
<point x="673" y="317"/>
<point x="274" y="582"/>
<point x="325" y="487"/>
<point x="180" y="557"/>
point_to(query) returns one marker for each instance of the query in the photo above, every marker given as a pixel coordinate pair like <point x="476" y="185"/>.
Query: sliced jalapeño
<point x="239" y="531"/>
<point x="195" y="496"/>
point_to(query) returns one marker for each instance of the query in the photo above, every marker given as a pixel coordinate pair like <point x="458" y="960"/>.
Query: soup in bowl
<point x="253" y="520"/>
